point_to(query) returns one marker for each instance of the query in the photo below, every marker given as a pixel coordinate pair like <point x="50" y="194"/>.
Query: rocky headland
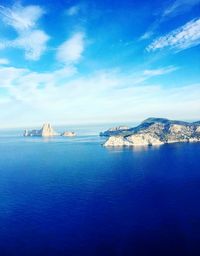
<point x="114" y="131"/>
<point x="153" y="131"/>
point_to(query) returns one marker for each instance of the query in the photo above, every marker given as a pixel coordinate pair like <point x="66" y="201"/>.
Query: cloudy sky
<point x="71" y="62"/>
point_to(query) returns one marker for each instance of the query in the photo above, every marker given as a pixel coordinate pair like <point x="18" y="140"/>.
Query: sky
<point x="103" y="61"/>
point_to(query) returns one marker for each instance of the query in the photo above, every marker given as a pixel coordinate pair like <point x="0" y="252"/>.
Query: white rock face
<point x="118" y="141"/>
<point x="198" y="129"/>
<point x="194" y="140"/>
<point x="143" y="139"/>
<point x="45" y="131"/>
<point x="176" y="128"/>
<point x="68" y="134"/>
<point x="180" y="129"/>
<point x="133" y="140"/>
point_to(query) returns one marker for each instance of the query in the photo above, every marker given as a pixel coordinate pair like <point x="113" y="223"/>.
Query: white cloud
<point x="71" y="50"/>
<point x="160" y="71"/>
<point x="25" y="22"/>
<point x="175" y="8"/>
<point x="145" y="75"/>
<point x="21" y="18"/>
<point x="33" y="42"/>
<point x="179" y="6"/>
<point x="74" y="10"/>
<point x="179" y="39"/>
<point x="4" y="61"/>
<point x="103" y="96"/>
<point x="3" y="44"/>
<point x="147" y="34"/>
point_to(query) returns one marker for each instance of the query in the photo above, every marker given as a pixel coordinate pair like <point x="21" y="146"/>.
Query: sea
<point x="72" y="196"/>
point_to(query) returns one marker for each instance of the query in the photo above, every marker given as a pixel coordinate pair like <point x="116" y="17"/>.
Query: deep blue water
<point x="67" y="196"/>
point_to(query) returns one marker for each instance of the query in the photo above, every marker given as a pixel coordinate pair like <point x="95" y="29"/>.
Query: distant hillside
<point x="154" y="131"/>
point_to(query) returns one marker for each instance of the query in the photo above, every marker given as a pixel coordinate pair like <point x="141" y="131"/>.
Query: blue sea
<point x="72" y="196"/>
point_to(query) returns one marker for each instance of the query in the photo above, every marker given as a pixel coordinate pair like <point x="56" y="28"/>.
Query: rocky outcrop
<point x="198" y="129"/>
<point x="68" y="134"/>
<point x="45" y="131"/>
<point x="155" y="131"/>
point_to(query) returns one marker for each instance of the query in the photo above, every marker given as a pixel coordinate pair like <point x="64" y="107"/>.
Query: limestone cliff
<point x="155" y="131"/>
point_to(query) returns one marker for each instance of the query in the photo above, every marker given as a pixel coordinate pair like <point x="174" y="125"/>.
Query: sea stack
<point x="47" y="131"/>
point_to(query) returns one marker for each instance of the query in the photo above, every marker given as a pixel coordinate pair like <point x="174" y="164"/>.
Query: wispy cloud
<point x="179" y="39"/>
<point x="179" y="6"/>
<point x="73" y="10"/>
<point x="147" y="74"/>
<point x="71" y="50"/>
<point x="24" y="20"/>
<point x="4" y="61"/>
<point x="175" y="8"/>
<point x="160" y="71"/>
<point x="147" y="34"/>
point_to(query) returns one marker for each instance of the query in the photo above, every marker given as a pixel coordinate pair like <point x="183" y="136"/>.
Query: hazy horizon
<point x="88" y="125"/>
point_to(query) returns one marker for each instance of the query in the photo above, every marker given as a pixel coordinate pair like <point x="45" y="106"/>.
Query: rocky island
<point x="68" y="134"/>
<point x="153" y="131"/>
<point x="47" y="131"/>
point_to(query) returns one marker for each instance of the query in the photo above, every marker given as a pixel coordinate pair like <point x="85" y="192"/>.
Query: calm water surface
<point x="71" y="196"/>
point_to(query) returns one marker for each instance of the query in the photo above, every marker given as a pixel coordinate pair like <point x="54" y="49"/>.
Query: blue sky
<point x="71" y="62"/>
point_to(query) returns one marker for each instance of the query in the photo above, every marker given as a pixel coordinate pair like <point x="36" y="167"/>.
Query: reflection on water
<point x="55" y="139"/>
<point x="132" y="148"/>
